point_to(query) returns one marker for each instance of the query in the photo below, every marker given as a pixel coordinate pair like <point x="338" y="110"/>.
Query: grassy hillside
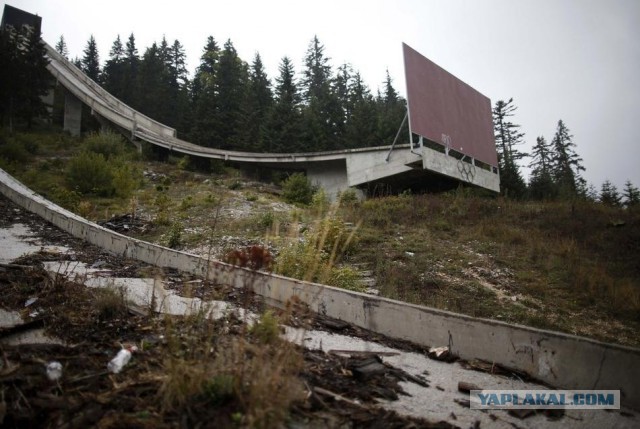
<point x="568" y="266"/>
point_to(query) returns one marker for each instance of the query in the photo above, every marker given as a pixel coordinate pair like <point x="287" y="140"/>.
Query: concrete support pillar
<point x="72" y="114"/>
<point x="330" y="175"/>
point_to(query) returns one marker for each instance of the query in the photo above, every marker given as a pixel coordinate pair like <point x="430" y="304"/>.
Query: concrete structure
<point x="72" y="114"/>
<point x="335" y="171"/>
<point x="561" y="360"/>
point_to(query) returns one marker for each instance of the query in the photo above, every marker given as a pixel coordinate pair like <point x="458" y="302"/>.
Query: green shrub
<point x="346" y="278"/>
<point x="108" y="144"/>
<point x="124" y="180"/>
<point x="90" y="173"/>
<point x="348" y="197"/>
<point x="266" y="220"/>
<point x="13" y="151"/>
<point x="186" y="203"/>
<point x="320" y="201"/>
<point x="173" y="238"/>
<point x="297" y="189"/>
<point x="266" y="330"/>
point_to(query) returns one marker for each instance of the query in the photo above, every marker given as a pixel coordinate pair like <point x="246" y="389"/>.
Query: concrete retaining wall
<point x="450" y="166"/>
<point x="564" y="361"/>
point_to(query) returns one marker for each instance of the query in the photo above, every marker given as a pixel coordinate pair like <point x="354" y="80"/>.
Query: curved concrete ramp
<point x="334" y="171"/>
<point x="561" y="360"/>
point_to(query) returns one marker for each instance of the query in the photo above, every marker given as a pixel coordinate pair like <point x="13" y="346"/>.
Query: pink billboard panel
<point x="444" y="109"/>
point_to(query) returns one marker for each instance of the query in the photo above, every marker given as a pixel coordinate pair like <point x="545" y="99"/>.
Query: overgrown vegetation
<point x="547" y="264"/>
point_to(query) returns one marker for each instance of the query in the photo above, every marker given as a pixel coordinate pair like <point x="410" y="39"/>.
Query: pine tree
<point x="391" y="111"/>
<point x="592" y="194"/>
<point x="114" y="73"/>
<point x="285" y="128"/>
<point x="322" y="114"/>
<point x="362" y="123"/>
<point x="91" y="60"/>
<point x="204" y="130"/>
<point x="230" y="87"/>
<point x="23" y="57"/>
<point x="131" y="70"/>
<point x="508" y="137"/>
<point x="179" y="86"/>
<point x="631" y="195"/>
<point x="61" y="47"/>
<point x="609" y="194"/>
<point x="153" y="85"/>
<point x="567" y="165"/>
<point x="541" y="185"/>
<point x="258" y="104"/>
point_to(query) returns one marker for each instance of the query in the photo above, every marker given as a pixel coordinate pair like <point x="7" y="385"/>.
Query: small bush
<point x="235" y="185"/>
<point x="124" y="180"/>
<point x="266" y="220"/>
<point x="110" y="303"/>
<point x="13" y="151"/>
<point x="348" y="197"/>
<point x="108" y="144"/>
<point x="84" y="208"/>
<point x="320" y="202"/>
<point x="173" y="238"/>
<point x="346" y="278"/>
<point x="183" y="163"/>
<point x="186" y="203"/>
<point x="90" y="173"/>
<point x="297" y="189"/>
<point x="267" y="329"/>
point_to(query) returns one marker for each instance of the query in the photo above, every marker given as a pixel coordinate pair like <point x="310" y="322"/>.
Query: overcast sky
<point x="575" y="60"/>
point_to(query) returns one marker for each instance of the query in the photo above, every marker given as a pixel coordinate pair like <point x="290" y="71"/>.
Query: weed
<point x="267" y="329"/>
<point x="110" y="303"/>
<point x="320" y="202"/>
<point x="254" y="258"/>
<point x="173" y="237"/>
<point x="297" y="189"/>
<point x="186" y="203"/>
<point x="84" y="208"/>
<point x="266" y="220"/>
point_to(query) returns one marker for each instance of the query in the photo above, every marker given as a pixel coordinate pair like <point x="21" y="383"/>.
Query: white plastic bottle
<point x="122" y="358"/>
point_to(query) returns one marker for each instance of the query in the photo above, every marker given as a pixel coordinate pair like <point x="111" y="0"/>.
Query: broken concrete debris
<point x="442" y="354"/>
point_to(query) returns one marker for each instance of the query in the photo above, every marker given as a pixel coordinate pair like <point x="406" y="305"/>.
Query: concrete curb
<point x="562" y="360"/>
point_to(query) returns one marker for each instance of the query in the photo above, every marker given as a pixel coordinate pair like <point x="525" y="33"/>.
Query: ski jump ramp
<point x="334" y="171"/>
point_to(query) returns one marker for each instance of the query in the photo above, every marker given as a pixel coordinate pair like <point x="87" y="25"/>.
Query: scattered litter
<point x="411" y="254"/>
<point x="442" y="354"/>
<point x="30" y="301"/>
<point x="463" y="402"/>
<point x="363" y="353"/>
<point x="98" y="264"/>
<point x="54" y="370"/>
<point x="122" y="358"/>
<point x="465" y="387"/>
<point x="331" y="323"/>
<point x="368" y="368"/>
